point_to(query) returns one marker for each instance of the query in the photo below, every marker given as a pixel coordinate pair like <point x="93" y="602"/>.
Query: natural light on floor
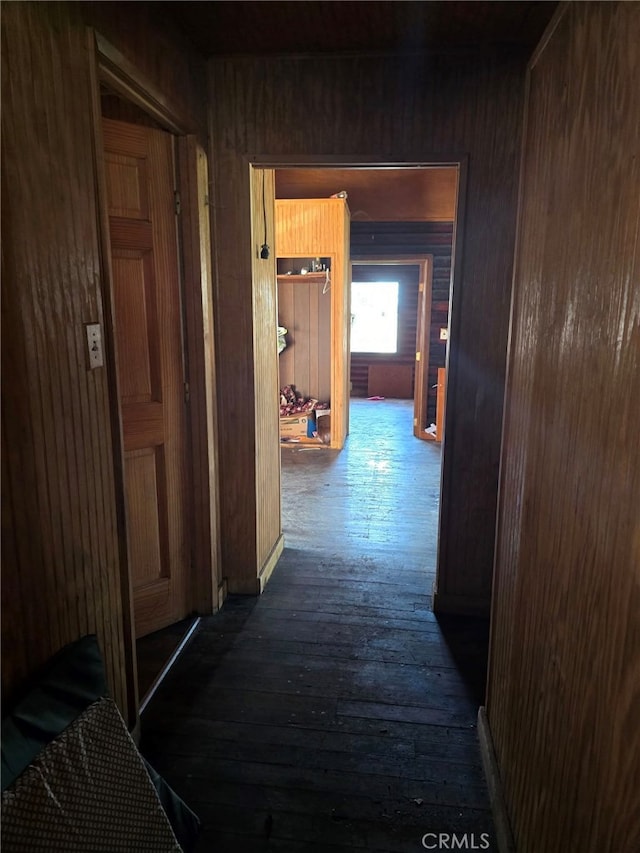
<point x="374" y="316"/>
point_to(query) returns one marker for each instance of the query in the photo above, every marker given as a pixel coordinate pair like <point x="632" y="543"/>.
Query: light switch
<point x="94" y="345"/>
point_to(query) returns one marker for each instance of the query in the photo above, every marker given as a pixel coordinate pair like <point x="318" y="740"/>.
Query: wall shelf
<point x="307" y="278"/>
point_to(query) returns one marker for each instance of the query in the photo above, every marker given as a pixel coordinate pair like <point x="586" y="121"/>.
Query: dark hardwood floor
<point x="335" y="713"/>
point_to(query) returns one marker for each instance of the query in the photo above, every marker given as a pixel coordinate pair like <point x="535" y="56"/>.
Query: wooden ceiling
<point x="379" y="195"/>
<point x="324" y="27"/>
<point x="319" y="26"/>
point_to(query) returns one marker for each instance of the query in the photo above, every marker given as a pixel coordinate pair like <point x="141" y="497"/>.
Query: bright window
<point x="374" y="316"/>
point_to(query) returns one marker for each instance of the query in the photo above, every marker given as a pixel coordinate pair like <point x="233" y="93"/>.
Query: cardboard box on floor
<point x="307" y="427"/>
<point x="297" y="426"/>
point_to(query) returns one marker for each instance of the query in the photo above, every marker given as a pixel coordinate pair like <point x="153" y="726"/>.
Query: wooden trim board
<point x="504" y="836"/>
<point x="441" y="403"/>
<point x="194" y="229"/>
<point x="271" y="562"/>
<point x="170" y="662"/>
<point x="104" y="246"/>
<point x="125" y="79"/>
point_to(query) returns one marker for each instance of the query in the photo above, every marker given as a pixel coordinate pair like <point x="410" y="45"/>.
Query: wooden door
<point x="139" y="166"/>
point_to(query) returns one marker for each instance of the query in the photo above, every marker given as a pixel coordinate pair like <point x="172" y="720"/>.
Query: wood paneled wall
<point x="404" y="239"/>
<point x="304" y="309"/>
<point x="392" y="109"/>
<point x="62" y="548"/>
<point x="61" y="559"/>
<point x="149" y="39"/>
<point x="564" y="683"/>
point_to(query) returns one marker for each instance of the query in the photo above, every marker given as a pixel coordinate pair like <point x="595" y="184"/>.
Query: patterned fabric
<point x="87" y="791"/>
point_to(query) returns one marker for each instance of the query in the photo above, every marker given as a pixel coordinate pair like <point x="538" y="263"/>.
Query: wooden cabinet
<point x="315" y="307"/>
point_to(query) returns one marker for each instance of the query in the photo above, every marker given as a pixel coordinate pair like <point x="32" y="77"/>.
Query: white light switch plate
<point x="94" y="344"/>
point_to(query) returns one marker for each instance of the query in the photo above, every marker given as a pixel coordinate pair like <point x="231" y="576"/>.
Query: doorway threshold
<point x="158" y="652"/>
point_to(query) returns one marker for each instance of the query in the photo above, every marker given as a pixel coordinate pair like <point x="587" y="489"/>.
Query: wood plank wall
<point x="149" y="39"/>
<point x="61" y="512"/>
<point x="421" y="106"/>
<point x="564" y="682"/>
<point x="409" y="239"/>
<point x="61" y="570"/>
<point x="304" y="309"/>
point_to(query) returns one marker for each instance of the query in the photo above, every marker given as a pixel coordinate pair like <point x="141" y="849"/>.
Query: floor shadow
<point x="214" y="636"/>
<point x="468" y="640"/>
<point x="154" y="650"/>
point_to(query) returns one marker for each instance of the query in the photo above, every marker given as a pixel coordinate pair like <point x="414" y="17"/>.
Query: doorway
<point x="398" y="367"/>
<point x="370" y="240"/>
<point x="140" y="180"/>
<point x="152" y="182"/>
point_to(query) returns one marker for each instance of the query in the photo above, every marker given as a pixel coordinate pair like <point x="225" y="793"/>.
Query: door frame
<point x="109" y="66"/>
<point x="423" y="321"/>
<point x="459" y="161"/>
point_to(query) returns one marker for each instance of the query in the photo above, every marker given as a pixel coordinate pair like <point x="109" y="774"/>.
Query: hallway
<point x="335" y="713"/>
